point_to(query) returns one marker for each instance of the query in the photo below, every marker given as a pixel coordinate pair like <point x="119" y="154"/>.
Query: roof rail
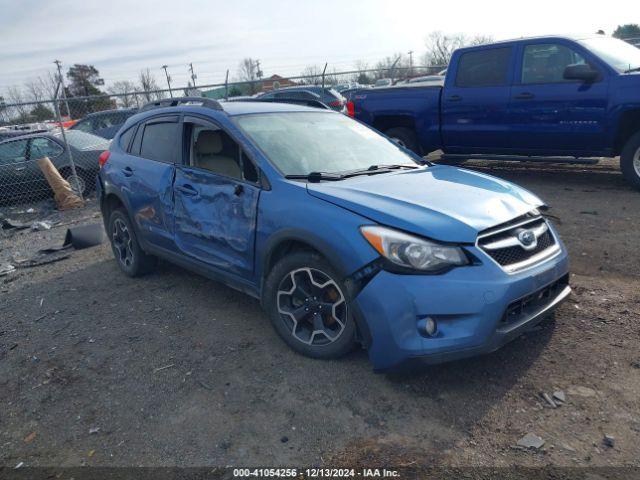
<point x="174" y="102"/>
<point x="295" y="101"/>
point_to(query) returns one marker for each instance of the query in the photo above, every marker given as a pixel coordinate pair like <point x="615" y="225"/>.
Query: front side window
<point x="299" y="143"/>
<point x="545" y="63"/>
<point x="44" y="147"/>
<point x="212" y="149"/>
<point x="160" y="142"/>
<point x="484" y="68"/>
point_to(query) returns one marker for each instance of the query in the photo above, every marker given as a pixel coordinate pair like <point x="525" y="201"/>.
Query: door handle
<point x="238" y="190"/>
<point x="127" y="171"/>
<point x="188" y="190"/>
<point x="524" y="96"/>
<point x="455" y="98"/>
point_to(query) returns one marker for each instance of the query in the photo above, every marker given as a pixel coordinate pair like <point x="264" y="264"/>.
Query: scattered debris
<point x="91" y="453"/>
<point x="81" y="237"/>
<point x="284" y="439"/>
<point x="163" y="368"/>
<point x="8" y="224"/>
<point x="531" y="440"/>
<point x="29" y="438"/>
<point x="589" y="212"/>
<point x="6" y="269"/>
<point x="609" y="441"/>
<point x="635" y="364"/>
<point x="41" y="225"/>
<point x="30" y="210"/>
<point x="94" y="430"/>
<point x="559" y="396"/>
<point x="581" y="391"/>
<point x="19" y="465"/>
<point x="548" y="399"/>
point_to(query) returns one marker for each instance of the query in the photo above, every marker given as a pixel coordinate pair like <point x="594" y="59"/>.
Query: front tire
<point x="308" y="306"/>
<point x="131" y="259"/>
<point x="630" y="161"/>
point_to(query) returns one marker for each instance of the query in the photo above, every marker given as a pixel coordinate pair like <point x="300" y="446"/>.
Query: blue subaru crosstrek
<point x="345" y="237"/>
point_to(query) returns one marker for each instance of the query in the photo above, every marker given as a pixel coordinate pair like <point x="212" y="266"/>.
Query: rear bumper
<point x="478" y="309"/>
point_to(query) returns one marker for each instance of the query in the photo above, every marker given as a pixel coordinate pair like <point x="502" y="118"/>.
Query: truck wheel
<point x="308" y="306"/>
<point x="630" y="161"/>
<point x="131" y="259"/>
<point x="405" y="137"/>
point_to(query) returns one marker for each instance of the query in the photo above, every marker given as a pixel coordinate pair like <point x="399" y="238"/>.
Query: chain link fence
<point x="73" y="132"/>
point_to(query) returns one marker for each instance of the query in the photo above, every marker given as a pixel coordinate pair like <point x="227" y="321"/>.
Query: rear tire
<point x="405" y="137"/>
<point x="131" y="259"/>
<point x="309" y="307"/>
<point x="630" y="161"/>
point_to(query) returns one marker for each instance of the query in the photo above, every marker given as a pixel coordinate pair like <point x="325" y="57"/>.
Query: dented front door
<point x="215" y="218"/>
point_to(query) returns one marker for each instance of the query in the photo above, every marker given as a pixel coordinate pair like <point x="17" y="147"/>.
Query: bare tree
<point x="19" y="113"/>
<point x="312" y="74"/>
<point x="248" y="72"/>
<point x="391" y="67"/>
<point x="149" y="86"/>
<point x="126" y="93"/>
<point x="440" y="46"/>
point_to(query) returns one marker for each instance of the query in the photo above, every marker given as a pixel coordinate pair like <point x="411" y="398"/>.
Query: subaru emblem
<point x="527" y="239"/>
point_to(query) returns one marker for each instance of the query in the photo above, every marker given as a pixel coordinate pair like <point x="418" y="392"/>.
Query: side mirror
<point x="580" y="71"/>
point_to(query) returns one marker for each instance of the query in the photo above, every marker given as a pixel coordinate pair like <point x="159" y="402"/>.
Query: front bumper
<point x="478" y="309"/>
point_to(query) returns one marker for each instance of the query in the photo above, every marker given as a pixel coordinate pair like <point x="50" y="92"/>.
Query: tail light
<point x="336" y="103"/>
<point x="104" y="156"/>
<point x="351" y="109"/>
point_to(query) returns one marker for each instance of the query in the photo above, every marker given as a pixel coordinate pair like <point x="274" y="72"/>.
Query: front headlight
<point x="413" y="252"/>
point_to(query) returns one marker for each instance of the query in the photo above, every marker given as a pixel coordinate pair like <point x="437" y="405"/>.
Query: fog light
<point x="428" y="326"/>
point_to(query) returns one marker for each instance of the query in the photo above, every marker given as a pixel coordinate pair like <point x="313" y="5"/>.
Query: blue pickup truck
<point x="535" y="97"/>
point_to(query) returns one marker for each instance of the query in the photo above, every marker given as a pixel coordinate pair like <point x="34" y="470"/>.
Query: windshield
<point x="299" y="143"/>
<point x="86" y="141"/>
<point x="619" y="54"/>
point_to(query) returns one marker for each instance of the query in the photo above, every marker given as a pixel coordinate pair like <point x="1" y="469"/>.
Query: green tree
<point x="84" y="81"/>
<point x="41" y="113"/>
<point x="629" y="30"/>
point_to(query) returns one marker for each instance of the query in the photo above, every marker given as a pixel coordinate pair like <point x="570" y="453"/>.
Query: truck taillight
<point x="351" y="109"/>
<point x="102" y="159"/>
<point x="335" y="103"/>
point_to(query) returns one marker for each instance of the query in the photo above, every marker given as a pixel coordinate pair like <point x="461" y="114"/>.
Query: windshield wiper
<point x="376" y="169"/>
<point x="315" y="177"/>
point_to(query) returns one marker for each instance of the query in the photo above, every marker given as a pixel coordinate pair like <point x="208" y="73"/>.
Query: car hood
<point x="443" y="203"/>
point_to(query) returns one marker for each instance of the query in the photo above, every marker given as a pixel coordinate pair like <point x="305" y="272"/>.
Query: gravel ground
<point x="174" y="369"/>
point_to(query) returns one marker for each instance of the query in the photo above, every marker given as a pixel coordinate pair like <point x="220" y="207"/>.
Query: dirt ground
<point x="174" y="369"/>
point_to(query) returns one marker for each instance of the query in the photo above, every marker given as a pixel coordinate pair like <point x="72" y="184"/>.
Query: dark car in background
<point x="20" y="175"/>
<point x="326" y="95"/>
<point x="104" y="124"/>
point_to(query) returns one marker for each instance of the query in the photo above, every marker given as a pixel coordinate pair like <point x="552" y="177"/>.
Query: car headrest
<point x="208" y="142"/>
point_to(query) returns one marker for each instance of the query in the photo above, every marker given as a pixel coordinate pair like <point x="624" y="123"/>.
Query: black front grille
<point x="534" y="302"/>
<point x="517" y="254"/>
<point x="514" y="254"/>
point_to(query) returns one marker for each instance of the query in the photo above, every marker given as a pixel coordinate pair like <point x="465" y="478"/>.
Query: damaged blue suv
<point x="345" y="237"/>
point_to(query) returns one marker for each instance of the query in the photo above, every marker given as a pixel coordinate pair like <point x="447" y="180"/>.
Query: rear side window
<point x="484" y="68"/>
<point x="125" y="138"/>
<point x="160" y="142"/>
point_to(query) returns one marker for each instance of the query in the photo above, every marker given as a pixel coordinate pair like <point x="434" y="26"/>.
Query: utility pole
<point x="168" y="79"/>
<point x="410" y="52"/>
<point x="258" y="71"/>
<point x="193" y="75"/>
<point x="61" y="81"/>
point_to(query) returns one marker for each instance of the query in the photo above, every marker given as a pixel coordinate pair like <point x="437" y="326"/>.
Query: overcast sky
<point x="121" y="37"/>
